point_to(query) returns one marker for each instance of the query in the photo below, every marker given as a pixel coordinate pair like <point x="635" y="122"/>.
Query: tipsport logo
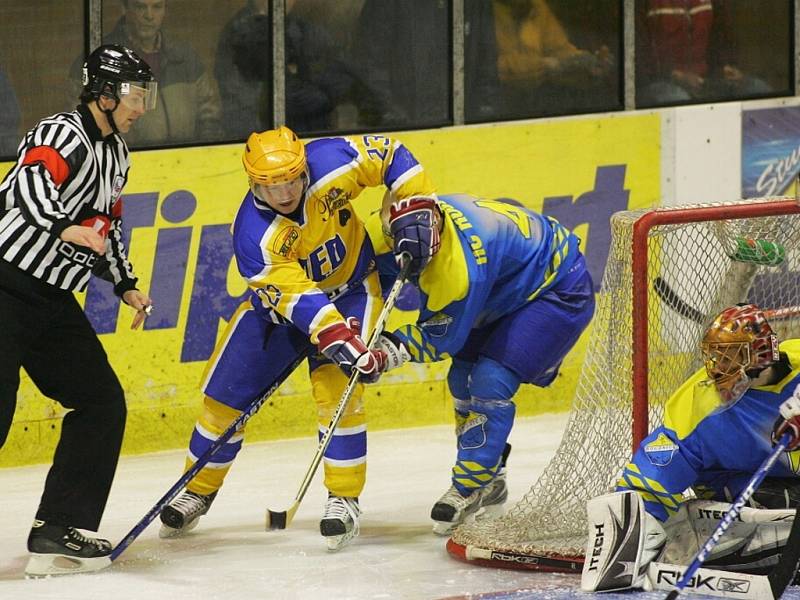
<point x="209" y="300"/>
<point x="206" y="270"/>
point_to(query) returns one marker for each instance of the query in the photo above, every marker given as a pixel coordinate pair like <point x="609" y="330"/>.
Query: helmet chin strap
<point x="109" y="114"/>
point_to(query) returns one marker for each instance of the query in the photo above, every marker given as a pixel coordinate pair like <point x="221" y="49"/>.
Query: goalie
<point x="719" y="426"/>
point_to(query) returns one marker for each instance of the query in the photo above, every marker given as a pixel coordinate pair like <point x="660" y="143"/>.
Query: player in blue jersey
<point x="314" y="290"/>
<point x="719" y="427"/>
<point x="505" y="293"/>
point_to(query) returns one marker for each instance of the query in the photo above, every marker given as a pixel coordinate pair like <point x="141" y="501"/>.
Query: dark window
<point x="37" y="42"/>
<point x="690" y="51"/>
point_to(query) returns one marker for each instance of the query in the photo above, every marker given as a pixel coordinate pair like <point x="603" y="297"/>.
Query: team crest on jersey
<point x="333" y="200"/>
<point x="285" y="239"/>
<point x="660" y="451"/>
<point x="437" y="325"/>
<point x="116" y="189"/>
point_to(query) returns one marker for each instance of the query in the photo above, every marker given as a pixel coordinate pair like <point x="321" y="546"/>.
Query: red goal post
<point x="669" y="272"/>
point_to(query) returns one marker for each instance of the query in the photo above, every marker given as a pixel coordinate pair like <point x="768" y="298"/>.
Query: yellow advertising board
<point x="178" y="206"/>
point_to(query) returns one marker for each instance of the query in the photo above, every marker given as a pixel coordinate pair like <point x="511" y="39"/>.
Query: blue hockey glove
<point x="414" y="223"/>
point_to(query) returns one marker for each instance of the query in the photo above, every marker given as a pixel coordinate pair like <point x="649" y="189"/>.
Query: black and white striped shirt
<point x="66" y="174"/>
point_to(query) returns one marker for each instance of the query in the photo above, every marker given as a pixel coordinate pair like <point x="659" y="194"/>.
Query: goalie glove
<point x="396" y="352"/>
<point x="789" y="421"/>
<point x="341" y="344"/>
<point x="414" y="223"/>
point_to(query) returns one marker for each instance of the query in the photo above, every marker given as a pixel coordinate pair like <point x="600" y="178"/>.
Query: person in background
<point x="685" y="54"/>
<point x="541" y="71"/>
<point x="402" y="50"/>
<point x="318" y="79"/>
<point x="188" y="102"/>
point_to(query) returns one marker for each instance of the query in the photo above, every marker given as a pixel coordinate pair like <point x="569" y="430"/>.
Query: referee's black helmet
<point x="109" y="68"/>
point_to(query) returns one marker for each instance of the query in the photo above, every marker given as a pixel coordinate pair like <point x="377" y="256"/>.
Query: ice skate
<point x="339" y="524"/>
<point x="61" y="550"/>
<point x="182" y="514"/>
<point x="452" y="508"/>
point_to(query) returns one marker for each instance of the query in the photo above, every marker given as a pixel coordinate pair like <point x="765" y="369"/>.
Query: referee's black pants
<point x="44" y="330"/>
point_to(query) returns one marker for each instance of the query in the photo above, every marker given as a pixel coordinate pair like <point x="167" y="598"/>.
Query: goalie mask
<point x="737" y="345"/>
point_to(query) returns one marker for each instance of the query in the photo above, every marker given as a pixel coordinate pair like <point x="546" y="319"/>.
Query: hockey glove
<point x="414" y="223"/>
<point x="396" y="352"/>
<point x="341" y="344"/>
<point x="789" y="421"/>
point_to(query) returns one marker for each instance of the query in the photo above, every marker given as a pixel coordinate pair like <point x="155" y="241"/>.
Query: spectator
<point x="541" y="71"/>
<point x="685" y="53"/>
<point x="317" y="78"/>
<point x="188" y="103"/>
<point x="9" y="117"/>
<point x="404" y="55"/>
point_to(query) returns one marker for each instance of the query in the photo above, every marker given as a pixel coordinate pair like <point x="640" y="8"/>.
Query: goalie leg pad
<point x="623" y="540"/>
<point x="753" y="542"/>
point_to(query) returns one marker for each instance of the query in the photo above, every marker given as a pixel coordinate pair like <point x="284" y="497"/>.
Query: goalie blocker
<point x="628" y="548"/>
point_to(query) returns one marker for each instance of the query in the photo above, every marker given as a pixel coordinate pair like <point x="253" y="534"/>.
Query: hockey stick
<point x="282" y="519"/>
<point x="671" y="298"/>
<point x="730" y="516"/>
<point x="205" y="457"/>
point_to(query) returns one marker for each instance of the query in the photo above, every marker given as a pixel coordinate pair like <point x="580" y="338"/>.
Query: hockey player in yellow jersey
<point x="314" y="292"/>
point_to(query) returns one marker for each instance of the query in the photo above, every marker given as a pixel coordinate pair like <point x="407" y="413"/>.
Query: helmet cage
<point x="739" y="341"/>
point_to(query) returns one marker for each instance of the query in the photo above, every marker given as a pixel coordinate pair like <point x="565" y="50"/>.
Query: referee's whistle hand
<point x="84" y="236"/>
<point x="141" y="302"/>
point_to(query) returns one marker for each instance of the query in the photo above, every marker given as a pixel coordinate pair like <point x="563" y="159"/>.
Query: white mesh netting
<point x="694" y="270"/>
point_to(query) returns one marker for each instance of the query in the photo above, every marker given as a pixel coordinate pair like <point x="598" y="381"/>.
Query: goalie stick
<point x="282" y="519"/>
<point x="671" y="298"/>
<point x="728" y="518"/>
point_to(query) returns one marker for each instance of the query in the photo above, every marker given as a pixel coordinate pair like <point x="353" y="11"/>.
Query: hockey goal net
<point x="669" y="272"/>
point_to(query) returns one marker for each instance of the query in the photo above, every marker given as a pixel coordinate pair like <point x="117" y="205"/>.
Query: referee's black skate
<point x="183" y="513"/>
<point x="62" y="550"/>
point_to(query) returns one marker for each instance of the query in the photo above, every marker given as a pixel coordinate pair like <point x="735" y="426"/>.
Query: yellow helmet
<point x="274" y="156"/>
<point x="739" y="340"/>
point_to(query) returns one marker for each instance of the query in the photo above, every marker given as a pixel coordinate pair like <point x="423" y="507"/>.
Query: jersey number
<point x="370" y="143"/>
<point x="519" y="217"/>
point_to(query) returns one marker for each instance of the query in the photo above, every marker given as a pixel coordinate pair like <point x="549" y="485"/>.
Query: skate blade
<point x="484" y="513"/>
<point x="47" y="565"/>
<point x="166" y="532"/>
<point x="337" y="542"/>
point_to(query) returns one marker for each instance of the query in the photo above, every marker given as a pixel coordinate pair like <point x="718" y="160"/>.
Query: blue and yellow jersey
<point x="708" y="446"/>
<point x="292" y="262"/>
<point x="495" y="257"/>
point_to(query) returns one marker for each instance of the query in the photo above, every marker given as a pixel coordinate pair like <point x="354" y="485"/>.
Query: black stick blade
<point x="276" y="519"/>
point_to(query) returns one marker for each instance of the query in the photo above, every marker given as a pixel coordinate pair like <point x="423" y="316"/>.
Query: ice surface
<point x="230" y="556"/>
